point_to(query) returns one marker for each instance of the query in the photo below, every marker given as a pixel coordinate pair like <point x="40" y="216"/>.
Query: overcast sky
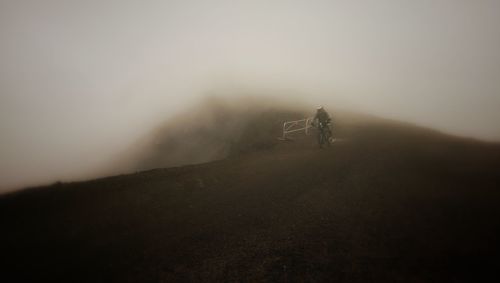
<point x="81" y="81"/>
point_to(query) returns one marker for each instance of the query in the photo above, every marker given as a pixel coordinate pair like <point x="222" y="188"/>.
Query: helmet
<point x="320" y="107"/>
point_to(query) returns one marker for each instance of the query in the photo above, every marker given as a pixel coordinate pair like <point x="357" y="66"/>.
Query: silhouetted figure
<point x="322" y="120"/>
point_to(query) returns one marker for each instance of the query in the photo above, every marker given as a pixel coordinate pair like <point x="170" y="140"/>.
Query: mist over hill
<point x="215" y="129"/>
<point x="220" y="126"/>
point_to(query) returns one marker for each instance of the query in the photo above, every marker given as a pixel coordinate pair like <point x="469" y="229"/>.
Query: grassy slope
<point x="388" y="203"/>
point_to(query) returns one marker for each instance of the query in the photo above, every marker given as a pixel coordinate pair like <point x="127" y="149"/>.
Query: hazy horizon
<point x="82" y="81"/>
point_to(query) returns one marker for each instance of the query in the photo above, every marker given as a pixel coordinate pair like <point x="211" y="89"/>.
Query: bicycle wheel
<point x="326" y="136"/>
<point x="321" y="138"/>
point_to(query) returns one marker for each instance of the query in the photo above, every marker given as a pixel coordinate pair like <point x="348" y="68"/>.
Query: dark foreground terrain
<point x="387" y="203"/>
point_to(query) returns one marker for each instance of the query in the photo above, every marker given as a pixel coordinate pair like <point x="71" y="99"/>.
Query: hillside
<point x="388" y="202"/>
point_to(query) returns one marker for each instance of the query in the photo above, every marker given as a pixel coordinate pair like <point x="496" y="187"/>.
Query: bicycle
<point x="325" y="134"/>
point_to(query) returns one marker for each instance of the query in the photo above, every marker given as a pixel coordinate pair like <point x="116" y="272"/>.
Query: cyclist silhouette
<point x="322" y="120"/>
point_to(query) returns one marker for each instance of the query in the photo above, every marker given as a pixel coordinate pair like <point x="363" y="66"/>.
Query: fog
<point x="81" y="82"/>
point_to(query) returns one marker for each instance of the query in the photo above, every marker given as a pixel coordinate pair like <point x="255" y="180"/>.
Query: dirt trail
<point x="388" y="203"/>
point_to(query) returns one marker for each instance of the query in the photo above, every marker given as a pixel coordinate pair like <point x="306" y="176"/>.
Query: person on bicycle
<point x="322" y="120"/>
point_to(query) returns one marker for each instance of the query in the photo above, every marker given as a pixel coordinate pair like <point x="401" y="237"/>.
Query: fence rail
<point x="297" y="126"/>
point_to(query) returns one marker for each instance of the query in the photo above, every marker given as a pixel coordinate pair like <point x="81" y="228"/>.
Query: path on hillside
<point x="405" y="206"/>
